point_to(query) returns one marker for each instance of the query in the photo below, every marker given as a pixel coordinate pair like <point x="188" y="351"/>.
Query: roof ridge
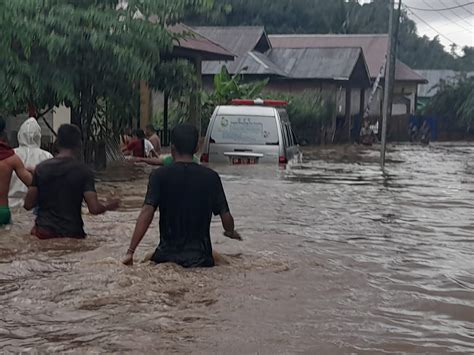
<point x="315" y="48"/>
<point x="230" y="27"/>
<point x="327" y="35"/>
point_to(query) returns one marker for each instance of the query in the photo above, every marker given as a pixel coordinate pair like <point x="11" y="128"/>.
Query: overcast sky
<point x="455" y="25"/>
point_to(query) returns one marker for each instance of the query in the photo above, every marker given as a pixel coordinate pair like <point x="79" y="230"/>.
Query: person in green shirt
<point x="162" y="160"/>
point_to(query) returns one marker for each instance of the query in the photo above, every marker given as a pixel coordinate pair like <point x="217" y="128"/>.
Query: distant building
<point x="375" y="49"/>
<point x="434" y="79"/>
<point x="298" y="62"/>
<point x="341" y="72"/>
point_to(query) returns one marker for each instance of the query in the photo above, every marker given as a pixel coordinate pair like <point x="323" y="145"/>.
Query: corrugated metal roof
<point x="259" y="63"/>
<point x="316" y="63"/>
<point x="253" y="63"/>
<point x="434" y="78"/>
<point x="404" y="73"/>
<point x="199" y="43"/>
<point x="373" y="45"/>
<point x="297" y="63"/>
<point x="238" y="40"/>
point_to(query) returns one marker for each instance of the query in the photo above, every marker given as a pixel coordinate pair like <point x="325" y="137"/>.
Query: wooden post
<point x="195" y="100"/>
<point x="388" y="85"/>
<point x="362" y="105"/>
<point x="165" y="119"/>
<point x="334" y="116"/>
<point x="145" y="104"/>
<point x="348" y="112"/>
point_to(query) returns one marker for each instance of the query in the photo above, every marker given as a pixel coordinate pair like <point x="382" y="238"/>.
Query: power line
<point x="449" y="19"/>
<point x="459" y="17"/>
<point x="427" y="24"/>
<point x="443" y="9"/>
<point x="468" y="11"/>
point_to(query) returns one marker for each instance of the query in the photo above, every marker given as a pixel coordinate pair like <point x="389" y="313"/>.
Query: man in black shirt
<point x="187" y="195"/>
<point x="59" y="187"/>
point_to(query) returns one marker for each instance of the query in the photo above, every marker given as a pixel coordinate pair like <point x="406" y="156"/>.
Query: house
<point x="340" y="72"/>
<point x="375" y="49"/>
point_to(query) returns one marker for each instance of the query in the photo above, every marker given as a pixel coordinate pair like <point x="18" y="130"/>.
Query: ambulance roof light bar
<point x="258" y="102"/>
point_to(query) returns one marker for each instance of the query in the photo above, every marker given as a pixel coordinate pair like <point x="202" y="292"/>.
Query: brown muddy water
<point x="338" y="258"/>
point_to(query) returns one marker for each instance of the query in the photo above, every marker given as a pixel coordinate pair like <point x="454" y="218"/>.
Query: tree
<point x="226" y="88"/>
<point x="84" y="52"/>
<point x="454" y="102"/>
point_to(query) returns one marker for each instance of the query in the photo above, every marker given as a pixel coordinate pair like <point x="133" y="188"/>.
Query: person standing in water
<point x="187" y="196"/>
<point x="151" y="135"/>
<point x="425" y="133"/>
<point x="30" y="154"/>
<point x="367" y="136"/>
<point x="140" y="147"/>
<point x="9" y="163"/>
<point x="59" y="186"/>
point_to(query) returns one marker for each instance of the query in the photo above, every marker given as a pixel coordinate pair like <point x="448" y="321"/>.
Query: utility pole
<point x="388" y="84"/>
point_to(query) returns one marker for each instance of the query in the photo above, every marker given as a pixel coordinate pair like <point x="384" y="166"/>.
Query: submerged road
<point x="338" y="257"/>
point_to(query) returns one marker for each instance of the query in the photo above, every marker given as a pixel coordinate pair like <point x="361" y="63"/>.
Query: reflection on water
<point x="338" y="257"/>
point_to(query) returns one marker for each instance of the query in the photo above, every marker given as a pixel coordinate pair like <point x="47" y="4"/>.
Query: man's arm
<point x="146" y="215"/>
<point x="23" y="174"/>
<point x="31" y="199"/>
<point x="158" y="145"/>
<point x="229" y="226"/>
<point x="96" y="207"/>
<point x="143" y="223"/>
<point x="158" y="161"/>
<point x="153" y="154"/>
<point x="221" y="207"/>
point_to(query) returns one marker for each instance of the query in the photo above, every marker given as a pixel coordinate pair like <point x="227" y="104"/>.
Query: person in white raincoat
<point x="29" y="151"/>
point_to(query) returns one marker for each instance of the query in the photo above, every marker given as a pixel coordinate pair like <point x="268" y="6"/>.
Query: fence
<point x="164" y="137"/>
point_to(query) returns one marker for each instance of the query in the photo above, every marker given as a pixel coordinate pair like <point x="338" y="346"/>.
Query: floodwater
<point x="337" y="258"/>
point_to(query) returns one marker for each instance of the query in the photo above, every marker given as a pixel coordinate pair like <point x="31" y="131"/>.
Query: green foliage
<point x="339" y="16"/>
<point x="310" y="107"/>
<point x="226" y="88"/>
<point x="455" y="102"/>
<point x="89" y="54"/>
<point x="309" y="112"/>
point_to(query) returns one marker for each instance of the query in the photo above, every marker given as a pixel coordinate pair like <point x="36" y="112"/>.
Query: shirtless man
<point x="9" y="163"/>
<point x="367" y="135"/>
<point x="150" y="133"/>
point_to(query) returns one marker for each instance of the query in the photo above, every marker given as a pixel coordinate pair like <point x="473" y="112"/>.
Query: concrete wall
<point x="61" y="115"/>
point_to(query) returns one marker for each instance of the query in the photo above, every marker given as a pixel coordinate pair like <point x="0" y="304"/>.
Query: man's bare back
<point x="7" y="167"/>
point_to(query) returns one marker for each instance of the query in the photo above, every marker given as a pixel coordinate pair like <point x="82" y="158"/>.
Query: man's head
<point x="150" y="130"/>
<point x="138" y="133"/>
<point x="184" y="140"/>
<point x="366" y="124"/>
<point x="69" y="137"/>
